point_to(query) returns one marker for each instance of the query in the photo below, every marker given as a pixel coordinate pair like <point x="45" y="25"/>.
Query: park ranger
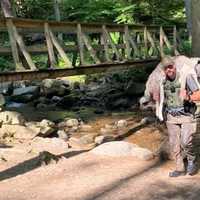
<point x="179" y="107"/>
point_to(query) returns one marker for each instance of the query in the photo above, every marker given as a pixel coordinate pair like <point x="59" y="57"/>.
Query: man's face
<point x="170" y="72"/>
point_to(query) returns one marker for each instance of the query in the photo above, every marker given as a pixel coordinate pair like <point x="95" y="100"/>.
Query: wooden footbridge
<point x="80" y="48"/>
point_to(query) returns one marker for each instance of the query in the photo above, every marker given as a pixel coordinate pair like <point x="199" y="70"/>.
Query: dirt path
<point x="88" y="177"/>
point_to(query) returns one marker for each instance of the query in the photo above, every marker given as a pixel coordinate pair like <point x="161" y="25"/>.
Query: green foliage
<point x="6" y="64"/>
<point x="120" y="11"/>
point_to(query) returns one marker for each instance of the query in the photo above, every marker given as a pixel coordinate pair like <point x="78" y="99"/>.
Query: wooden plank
<point x="176" y="53"/>
<point x="109" y="39"/>
<point x="90" y="48"/>
<point x="42" y="49"/>
<point x="80" y="44"/>
<point x="22" y="46"/>
<point x="51" y="54"/>
<point x="55" y="73"/>
<point x="60" y="49"/>
<point x="166" y="39"/>
<point x="134" y="45"/>
<point x="126" y="41"/>
<point x="145" y="43"/>
<point x="161" y="43"/>
<point x="14" y="48"/>
<point x="152" y="42"/>
<point x="106" y="47"/>
<point x="38" y="25"/>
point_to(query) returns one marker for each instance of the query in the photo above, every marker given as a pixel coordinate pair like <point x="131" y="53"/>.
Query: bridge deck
<point x="82" y="47"/>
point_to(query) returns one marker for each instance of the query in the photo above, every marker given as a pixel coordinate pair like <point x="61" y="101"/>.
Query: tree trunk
<point x="57" y="15"/>
<point x="57" y="10"/>
<point x="6" y="8"/>
<point x="189" y="16"/>
<point x="195" y="28"/>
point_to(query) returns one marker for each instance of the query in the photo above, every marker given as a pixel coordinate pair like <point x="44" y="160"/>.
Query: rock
<point x="109" y="126"/>
<point x="26" y="90"/>
<point x="46" y="131"/>
<point x="54" y="87"/>
<point x="68" y="101"/>
<point x="52" y="145"/>
<point x="72" y="122"/>
<point x="46" y="122"/>
<point x="87" y="139"/>
<point x="35" y="126"/>
<point x="2" y="100"/>
<point x="46" y="127"/>
<point x="121" y="148"/>
<point x="122" y="123"/>
<point x="85" y="128"/>
<point x="106" y="131"/>
<point x="62" y="135"/>
<point x="135" y="88"/>
<point x="142" y="153"/>
<point x="23" y="98"/>
<point x="41" y="106"/>
<point x="121" y="103"/>
<point x="11" y="117"/>
<point x="76" y="143"/>
<point x="103" y="138"/>
<point x="56" y="99"/>
<point x="17" y="131"/>
<point x="115" y="148"/>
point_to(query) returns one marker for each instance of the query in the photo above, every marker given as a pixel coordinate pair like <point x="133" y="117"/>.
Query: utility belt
<point x="177" y="111"/>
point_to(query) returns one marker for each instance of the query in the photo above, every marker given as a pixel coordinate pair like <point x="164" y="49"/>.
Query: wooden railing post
<point x="145" y="43"/>
<point x="161" y="43"/>
<point x="14" y="48"/>
<point x="175" y="41"/>
<point x="80" y="44"/>
<point x="51" y="54"/>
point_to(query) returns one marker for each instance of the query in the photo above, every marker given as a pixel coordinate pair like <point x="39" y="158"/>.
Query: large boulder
<point x="43" y="128"/>
<point x="54" y="87"/>
<point x="52" y="145"/>
<point x="11" y="117"/>
<point x="69" y="100"/>
<point x="17" y="131"/>
<point x="121" y="148"/>
<point x="25" y="94"/>
<point x="26" y="90"/>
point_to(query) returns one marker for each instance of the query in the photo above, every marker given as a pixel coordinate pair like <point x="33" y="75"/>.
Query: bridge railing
<point x="83" y="44"/>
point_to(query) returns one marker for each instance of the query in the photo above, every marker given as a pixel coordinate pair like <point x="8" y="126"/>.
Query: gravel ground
<point x="87" y="177"/>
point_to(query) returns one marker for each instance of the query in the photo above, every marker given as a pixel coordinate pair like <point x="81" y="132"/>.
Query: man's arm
<point x="194" y="88"/>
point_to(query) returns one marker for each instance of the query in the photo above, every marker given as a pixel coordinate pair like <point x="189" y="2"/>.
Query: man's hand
<point x="185" y="95"/>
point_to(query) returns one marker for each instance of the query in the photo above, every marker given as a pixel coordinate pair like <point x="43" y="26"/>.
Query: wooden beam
<point x="51" y="54"/>
<point x="71" y="27"/>
<point x="145" y="43"/>
<point x="109" y="39"/>
<point x="161" y="43"/>
<point x="126" y="41"/>
<point x="90" y="48"/>
<point x="55" y="73"/>
<point x="80" y="44"/>
<point x="14" y="48"/>
<point x="22" y="46"/>
<point x="176" y="53"/>
<point x="152" y="42"/>
<point x="60" y="50"/>
<point x="106" y="47"/>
